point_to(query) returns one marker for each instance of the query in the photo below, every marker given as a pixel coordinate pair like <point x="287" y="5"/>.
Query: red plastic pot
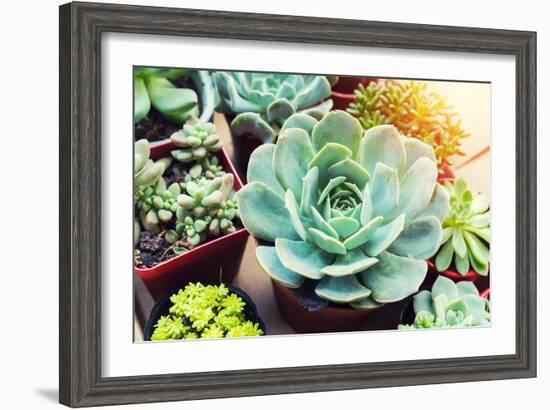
<point x="342" y="92"/>
<point x="215" y="261"/>
<point x="327" y="319"/>
<point x="446" y="173"/>
<point x="471" y="276"/>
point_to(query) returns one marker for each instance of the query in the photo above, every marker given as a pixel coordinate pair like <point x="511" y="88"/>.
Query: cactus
<point x="153" y="87"/>
<point x="196" y="140"/>
<point x="263" y="101"/>
<point x="466" y="231"/>
<point x="449" y="304"/>
<point x="357" y="214"/>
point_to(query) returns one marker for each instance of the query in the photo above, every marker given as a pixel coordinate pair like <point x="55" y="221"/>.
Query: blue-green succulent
<point x="449" y="304"/>
<point x="466" y="231"/>
<point x="263" y="101"/>
<point x="195" y="141"/>
<point x="357" y="213"/>
<point x="153" y="87"/>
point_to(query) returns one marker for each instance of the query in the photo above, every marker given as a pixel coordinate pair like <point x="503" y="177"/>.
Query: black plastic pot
<point x="162" y="307"/>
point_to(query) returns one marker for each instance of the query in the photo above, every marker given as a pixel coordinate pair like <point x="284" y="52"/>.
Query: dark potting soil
<point x="154" y="127"/>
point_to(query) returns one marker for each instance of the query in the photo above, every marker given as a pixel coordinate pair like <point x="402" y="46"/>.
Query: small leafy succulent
<point x="414" y="111"/>
<point x="196" y="141"/>
<point x="154" y="87"/>
<point x="466" y="231"/>
<point x="157" y="204"/>
<point x="449" y="304"/>
<point x="204" y="207"/>
<point x="146" y="172"/>
<point x="357" y="214"/>
<point x="263" y="101"/>
<point x="200" y="311"/>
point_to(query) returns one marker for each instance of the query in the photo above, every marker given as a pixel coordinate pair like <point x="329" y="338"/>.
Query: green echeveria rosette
<point x="195" y="141"/>
<point x="263" y="101"/>
<point x="449" y="304"/>
<point x="466" y="231"/>
<point x="357" y="213"/>
<point x="153" y="88"/>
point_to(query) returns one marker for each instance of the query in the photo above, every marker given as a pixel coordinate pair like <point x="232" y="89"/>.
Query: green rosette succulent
<point x="157" y="204"/>
<point x="153" y="88"/>
<point x="357" y="213"/>
<point x="263" y="101"/>
<point x="196" y="140"/>
<point x="466" y="231"/>
<point x="449" y="304"/>
<point x="204" y="208"/>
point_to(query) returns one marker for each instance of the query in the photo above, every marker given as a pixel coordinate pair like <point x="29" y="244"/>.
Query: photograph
<point x="272" y="204"/>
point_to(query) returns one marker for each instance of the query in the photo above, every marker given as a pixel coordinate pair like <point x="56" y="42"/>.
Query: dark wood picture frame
<point x="81" y="28"/>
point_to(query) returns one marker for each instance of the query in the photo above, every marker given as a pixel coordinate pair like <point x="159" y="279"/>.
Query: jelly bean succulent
<point x="154" y="87"/>
<point x="157" y="204"/>
<point x="263" y="101"/>
<point x="146" y="172"/>
<point x="206" y="312"/>
<point x="204" y="208"/>
<point x="355" y="212"/>
<point x="449" y="304"/>
<point x="466" y="231"/>
<point x="196" y="140"/>
<point x="414" y="111"/>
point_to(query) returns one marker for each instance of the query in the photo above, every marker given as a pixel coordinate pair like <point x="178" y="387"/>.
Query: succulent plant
<point x="449" y="304"/>
<point x="358" y="214"/>
<point x="157" y="204"/>
<point x="203" y="208"/>
<point x="466" y="231"/>
<point x="155" y="87"/>
<point x="263" y="101"/>
<point x="146" y="172"/>
<point x="196" y="141"/>
<point x="414" y="111"/>
<point x="200" y="311"/>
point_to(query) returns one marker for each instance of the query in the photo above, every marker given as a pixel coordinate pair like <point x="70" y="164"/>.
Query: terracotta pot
<point x="471" y="276"/>
<point x="328" y="319"/>
<point x="342" y="92"/>
<point x="162" y="307"/>
<point x="213" y="261"/>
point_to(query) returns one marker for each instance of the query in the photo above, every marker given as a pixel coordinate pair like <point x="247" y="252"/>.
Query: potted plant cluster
<point x="355" y="211"/>
<point x="186" y="211"/>
<point x="204" y="312"/>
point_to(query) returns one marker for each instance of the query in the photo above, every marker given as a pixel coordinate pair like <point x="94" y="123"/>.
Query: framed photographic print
<point x="261" y="204"/>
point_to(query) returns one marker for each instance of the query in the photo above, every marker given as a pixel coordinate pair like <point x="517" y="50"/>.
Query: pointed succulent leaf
<point x="344" y="225"/>
<point x="327" y="242"/>
<point x="394" y="277"/>
<point x="363" y="234"/>
<point x="445" y="286"/>
<point x="479" y="251"/>
<point x="310" y="192"/>
<point x="382" y="144"/>
<point x="292" y="207"/>
<point x="420" y="239"/>
<point x="322" y="224"/>
<point x="270" y="263"/>
<point x="384" y="190"/>
<point x="422" y="302"/>
<point x="257" y="204"/>
<point x="466" y="288"/>
<point x="294" y="150"/>
<point x="444" y="257"/>
<point x="462" y="264"/>
<point x="439" y="204"/>
<point x="416" y="189"/>
<point x="302" y="258"/>
<point x="260" y="168"/>
<point x="329" y="155"/>
<point x="338" y="127"/>
<point x="344" y="289"/>
<point x="414" y="149"/>
<point x="353" y="172"/>
<point x="352" y="262"/>
<point x="142" y="103"/>
<point x="384" y="236"/>
<point x="481" y="269"/>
